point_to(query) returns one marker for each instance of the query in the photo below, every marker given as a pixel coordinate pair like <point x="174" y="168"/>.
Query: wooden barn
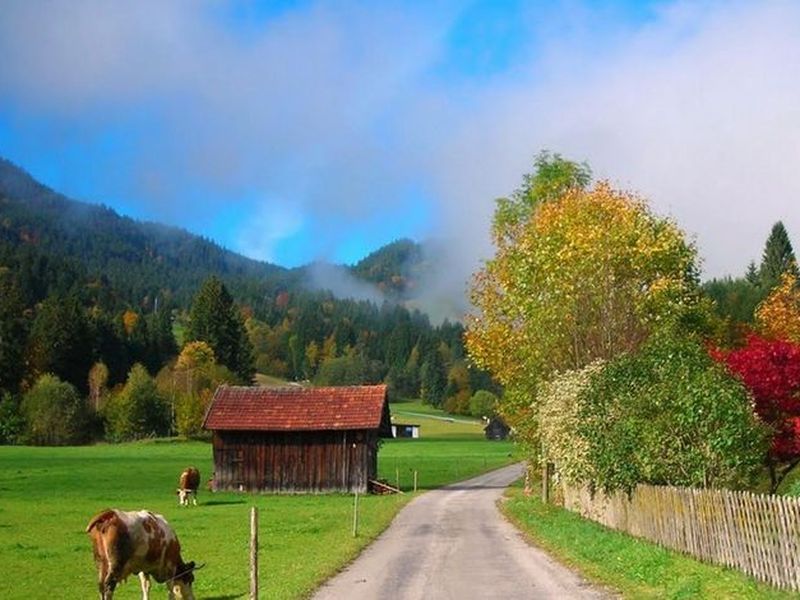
<point x="295" y="439"/>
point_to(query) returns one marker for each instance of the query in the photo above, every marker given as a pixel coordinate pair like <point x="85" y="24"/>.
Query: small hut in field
<point x="496" y="429"/>
<point x="405" y="430"/>
<point x="294" y="439"/>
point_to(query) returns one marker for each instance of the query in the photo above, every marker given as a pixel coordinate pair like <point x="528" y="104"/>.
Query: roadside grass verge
<point x="47" y="496"/>
<point x="633" y="567"/>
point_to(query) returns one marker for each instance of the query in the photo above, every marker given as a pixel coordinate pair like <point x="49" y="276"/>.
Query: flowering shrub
<point x="559" y="417"/>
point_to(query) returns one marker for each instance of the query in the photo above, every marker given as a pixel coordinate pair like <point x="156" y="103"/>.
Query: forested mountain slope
<point x="141" y="260"/>
<point x="81" y="285"/>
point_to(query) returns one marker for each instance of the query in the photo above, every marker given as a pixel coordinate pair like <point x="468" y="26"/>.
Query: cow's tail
<point x="99" y="519"/>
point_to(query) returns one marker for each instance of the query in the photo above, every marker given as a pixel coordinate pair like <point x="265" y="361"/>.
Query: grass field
<point x="435" y="423"/>
<point x="636" y="568"/>
<point x="269" y="380"/>
<point x="47" y="496"/>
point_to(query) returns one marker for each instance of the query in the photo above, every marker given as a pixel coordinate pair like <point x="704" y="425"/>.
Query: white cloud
<point x="265" y="228"/>
<point x="699" y="111"/>
<point x="337" y="111"/>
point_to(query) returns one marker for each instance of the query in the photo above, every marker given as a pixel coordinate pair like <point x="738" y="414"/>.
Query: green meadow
<point x="48" y="495"/>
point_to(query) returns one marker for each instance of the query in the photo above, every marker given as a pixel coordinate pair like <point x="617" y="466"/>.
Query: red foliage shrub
<point x="770" y="369"/>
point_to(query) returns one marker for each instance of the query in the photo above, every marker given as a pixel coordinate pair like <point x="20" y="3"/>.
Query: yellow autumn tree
<point x="129" y="321"/>
<point x="194" y="380"/>
<point x="778" y="316"/>
<point x="586" y="275"/>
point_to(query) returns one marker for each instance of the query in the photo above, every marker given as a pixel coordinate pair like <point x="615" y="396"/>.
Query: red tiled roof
<point x="296" y="408"/>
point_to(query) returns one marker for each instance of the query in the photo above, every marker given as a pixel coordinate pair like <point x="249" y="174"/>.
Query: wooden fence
<point x="757" y="534"/>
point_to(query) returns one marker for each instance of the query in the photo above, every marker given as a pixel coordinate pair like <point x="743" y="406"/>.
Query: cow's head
<point x="182" y="584"/>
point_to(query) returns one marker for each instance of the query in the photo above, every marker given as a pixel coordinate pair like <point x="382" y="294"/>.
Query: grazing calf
<point x="187" y="486"/>
<point x="138" y="542"/>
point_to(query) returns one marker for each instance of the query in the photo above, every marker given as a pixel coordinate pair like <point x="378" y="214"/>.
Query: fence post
<point x="253" y="553"/>
<point x="527" y="489"/>
<point x="415" y="480"/>
<point x="546" y="470"/>
<point x="355" y="515"/>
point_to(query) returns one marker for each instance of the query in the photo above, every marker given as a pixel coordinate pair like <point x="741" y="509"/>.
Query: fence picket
<point x="786" y="557"/>
<point x="756" y="534"/>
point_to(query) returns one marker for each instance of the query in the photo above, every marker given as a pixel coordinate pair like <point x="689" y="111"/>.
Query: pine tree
<point x="778" y="257"/>
<point x="13" y="334"/>
<point x="61" y="341"/>
<point x="215" y="319"/>
<point x="752" y="274"/>
<point x="433" y="380"/>
<point x="161" y="344"/>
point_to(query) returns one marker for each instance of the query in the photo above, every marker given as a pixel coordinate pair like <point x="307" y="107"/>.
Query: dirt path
<point x="453" y="543"/>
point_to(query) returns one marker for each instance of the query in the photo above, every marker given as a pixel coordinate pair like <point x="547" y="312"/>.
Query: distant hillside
<point x="144" y="260"/>
<point x="395" y="268"/>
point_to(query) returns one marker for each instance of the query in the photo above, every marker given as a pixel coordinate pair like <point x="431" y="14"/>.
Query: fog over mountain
<point x="319" y="132"/>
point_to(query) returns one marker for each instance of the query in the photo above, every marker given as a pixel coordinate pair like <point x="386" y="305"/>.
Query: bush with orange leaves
<point x="778" y="316"/>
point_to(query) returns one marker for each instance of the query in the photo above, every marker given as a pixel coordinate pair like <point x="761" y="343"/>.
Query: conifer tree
<point x="433" y="380"/>
<point x="60" y="341"/>
<point x="13" y="334"/>
<point x="215" y="319"/>
<point x="778" y="257"/>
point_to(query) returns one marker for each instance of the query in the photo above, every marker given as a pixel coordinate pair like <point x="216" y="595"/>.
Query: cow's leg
<point x="106" y="593"/>
<point x="145" y="581"/>
<point x="107" y="588"/>
<point x="194" y="498"/>
<point x="101" y="562"/>
<point x="106" y="582"/>
<point x="115" y="574"/>
<point x="102" y="570"/>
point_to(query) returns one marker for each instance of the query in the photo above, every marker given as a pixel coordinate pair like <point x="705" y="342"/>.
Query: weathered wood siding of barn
<point x="315" y="461"/>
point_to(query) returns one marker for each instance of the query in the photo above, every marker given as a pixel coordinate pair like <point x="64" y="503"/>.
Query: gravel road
<point x="453" y="543"/>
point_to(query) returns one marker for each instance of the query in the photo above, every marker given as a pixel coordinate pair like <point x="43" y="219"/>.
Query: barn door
<point x="233" y="459"/>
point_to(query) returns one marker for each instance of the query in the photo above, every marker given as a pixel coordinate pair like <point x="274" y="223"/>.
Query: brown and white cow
<point x="138" y="542"/>
<point x="187" y="486"/>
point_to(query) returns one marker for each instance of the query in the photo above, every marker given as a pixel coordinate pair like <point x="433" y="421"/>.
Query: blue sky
<point x="298" y="131"/>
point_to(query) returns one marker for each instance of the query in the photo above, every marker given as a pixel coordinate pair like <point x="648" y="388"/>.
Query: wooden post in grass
<point x="415" y="480"/>
<point x="253" y="553"/>
<point x="546" y="470"/>
<point x="355" y="515"/>
<point x="397" y="477"/>
<point x="527" y="489"/>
